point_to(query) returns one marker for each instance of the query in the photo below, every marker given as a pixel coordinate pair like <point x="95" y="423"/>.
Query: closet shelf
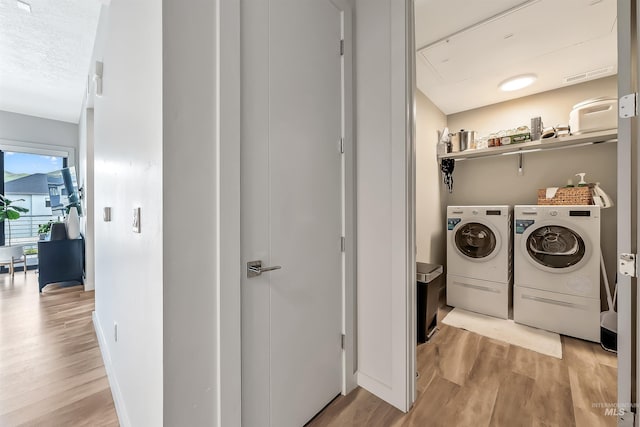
<point x="540" y="145"/>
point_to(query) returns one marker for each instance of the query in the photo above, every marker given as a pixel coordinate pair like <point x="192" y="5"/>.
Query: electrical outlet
<point x="115" y="331"/>
<point x="136" y="220"/>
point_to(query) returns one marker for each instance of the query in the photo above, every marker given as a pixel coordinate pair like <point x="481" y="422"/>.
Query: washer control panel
<point x="452" y="222"/>
<point x="523" y="224"/>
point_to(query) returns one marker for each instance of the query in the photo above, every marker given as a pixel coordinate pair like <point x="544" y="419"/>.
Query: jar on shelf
<point x="491" y="140"/>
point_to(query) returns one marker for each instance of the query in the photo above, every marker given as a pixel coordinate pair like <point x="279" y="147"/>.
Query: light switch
<point x="136" y="220"/>
<point x="106" y="214"/>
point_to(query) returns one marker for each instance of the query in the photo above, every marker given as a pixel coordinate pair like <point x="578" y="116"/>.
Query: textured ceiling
<point x="463" y="55"/>
<point x="44" y="56"/>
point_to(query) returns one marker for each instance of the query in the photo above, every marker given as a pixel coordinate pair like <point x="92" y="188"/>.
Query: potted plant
<point x="44" y="229"/>
<point x="10" y="212"/>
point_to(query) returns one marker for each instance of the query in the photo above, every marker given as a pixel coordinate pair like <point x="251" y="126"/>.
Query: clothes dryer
<point x="557" y="269"/>
<point x="479" y="259"/>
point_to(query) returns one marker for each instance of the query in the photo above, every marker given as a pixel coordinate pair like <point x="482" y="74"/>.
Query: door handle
<point x="255" y="268"/>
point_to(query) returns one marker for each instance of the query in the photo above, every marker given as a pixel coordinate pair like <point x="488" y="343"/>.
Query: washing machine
<point x="479" y="259"/>
<point x="557" y="269"/>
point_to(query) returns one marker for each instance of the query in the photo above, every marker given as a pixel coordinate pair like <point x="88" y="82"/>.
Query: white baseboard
<point x="118" y="400"/>
<point x="88" y="285"/>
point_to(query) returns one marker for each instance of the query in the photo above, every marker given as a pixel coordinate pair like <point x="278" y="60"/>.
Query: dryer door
<point x="556" y="247"/>
<point x="476" y="241"/>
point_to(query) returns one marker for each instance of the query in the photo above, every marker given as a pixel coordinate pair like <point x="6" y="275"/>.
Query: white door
<point x="627" y="211"/>
<point x="291" y="182"/>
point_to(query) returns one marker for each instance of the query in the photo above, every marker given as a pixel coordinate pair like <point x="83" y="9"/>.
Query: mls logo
<point x="614" y="412"/>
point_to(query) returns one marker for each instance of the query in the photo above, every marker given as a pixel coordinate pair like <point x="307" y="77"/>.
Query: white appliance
<point x="479" y="259"/>
<point x="557" y="269"/>
<point x="594" y="115"/>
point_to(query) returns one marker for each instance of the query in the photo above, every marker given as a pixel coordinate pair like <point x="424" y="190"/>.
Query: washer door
<point x="476" y="241"/>
<point x="556" y="248"/>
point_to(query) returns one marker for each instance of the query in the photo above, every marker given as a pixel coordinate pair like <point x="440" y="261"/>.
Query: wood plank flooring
<point x="51" y="374"/>
<point x="470" y="380"/>
<point x="51" y="370"/>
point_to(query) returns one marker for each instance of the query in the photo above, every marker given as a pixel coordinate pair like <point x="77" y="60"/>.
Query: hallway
<point x="51" y="370"/>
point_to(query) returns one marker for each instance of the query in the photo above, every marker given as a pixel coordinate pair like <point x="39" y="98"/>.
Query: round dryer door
<point x="556" y="247"/>
<point x="475" y="240"/>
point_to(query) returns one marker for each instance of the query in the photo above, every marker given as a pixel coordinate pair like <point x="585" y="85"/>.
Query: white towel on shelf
<point x="551" y="192"/>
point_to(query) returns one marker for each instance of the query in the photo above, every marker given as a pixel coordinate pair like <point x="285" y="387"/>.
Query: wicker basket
<point x="567" y="196"/>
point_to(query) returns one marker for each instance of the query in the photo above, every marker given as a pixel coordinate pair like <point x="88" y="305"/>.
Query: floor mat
<point x="538" y="340"/>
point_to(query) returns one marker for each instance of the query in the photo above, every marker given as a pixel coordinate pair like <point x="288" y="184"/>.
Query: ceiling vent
<point x="599" y="72"/>
<point x="587" y="75"/>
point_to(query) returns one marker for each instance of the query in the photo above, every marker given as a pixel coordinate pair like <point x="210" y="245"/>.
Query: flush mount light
<point x="23" y="5"/>
<point x="517" y="82"/>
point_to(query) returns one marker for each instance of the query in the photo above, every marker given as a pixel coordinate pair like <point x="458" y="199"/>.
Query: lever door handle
<point x="255" y="268"/>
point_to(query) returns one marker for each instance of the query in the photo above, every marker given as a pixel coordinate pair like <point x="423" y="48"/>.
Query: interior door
<point x="291" y="209"/>
<point x="628" y="235"/>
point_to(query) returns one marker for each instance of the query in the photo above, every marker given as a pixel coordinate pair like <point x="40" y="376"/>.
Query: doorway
<point x="506" y="179"/>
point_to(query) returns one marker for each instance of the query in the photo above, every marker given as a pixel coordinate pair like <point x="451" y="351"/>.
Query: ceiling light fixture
<point x="23" y="5"/>
<point x="517" y="82"/>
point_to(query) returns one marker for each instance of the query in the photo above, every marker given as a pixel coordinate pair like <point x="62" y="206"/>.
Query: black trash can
<point x="429" y="278"/>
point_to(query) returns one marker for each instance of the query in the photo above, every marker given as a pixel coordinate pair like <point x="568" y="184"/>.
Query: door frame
<point x="349" y="327"/>
<point x="412" y="248"/>
<point x="228" y="400"/>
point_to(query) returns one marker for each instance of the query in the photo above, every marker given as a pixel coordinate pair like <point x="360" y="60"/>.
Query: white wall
<point x="157" y="142"/>
<point x="128" y="174"/>
<point x="158" y="134"/>
<point x="494" y="180"/>
<point x="383" y="193"/>
<point x="195" y="192"/>
<point x="430" y="218"/>
<point x="22" y="128"/>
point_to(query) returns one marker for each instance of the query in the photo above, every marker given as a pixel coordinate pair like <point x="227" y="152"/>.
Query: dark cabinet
<point x="60" y="261"/>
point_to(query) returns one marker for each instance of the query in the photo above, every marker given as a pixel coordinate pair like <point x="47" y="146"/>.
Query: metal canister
<point x="466" y="138"/>
<point x="536" y="128"/>
<point x="455" y="142"/>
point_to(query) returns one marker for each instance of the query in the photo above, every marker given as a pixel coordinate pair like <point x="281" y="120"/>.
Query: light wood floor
<point x="470" y="380"/>
<point x="51" y="371"/>
<point x="51" y="374"/>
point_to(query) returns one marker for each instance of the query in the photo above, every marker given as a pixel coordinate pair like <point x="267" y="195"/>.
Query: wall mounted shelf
<point x="540" y="145"/>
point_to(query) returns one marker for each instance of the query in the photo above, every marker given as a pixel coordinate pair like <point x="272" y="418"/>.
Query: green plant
<point x="9" y="212"/>
<point x="45" y="228"/>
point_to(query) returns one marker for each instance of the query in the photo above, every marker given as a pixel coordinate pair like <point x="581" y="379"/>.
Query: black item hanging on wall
<point x="447" y="166"/>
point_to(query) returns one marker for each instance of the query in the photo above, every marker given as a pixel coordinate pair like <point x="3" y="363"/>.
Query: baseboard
<point x="118" y="400"/>
<point x="88" y="284"/>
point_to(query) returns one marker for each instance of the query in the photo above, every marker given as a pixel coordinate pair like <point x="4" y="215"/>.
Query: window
<point x="27" y="182"/>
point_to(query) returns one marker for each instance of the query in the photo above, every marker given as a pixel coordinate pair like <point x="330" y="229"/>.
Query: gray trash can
<point x="429" y="278"/>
